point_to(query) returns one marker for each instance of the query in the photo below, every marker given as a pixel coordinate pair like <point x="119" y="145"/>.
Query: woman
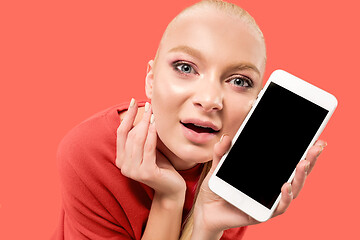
<point x="147" y="178"/>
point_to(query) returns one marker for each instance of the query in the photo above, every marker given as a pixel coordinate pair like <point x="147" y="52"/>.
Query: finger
<point x="140" y="130"/>
<point x="314" y="153"/>
<point x="286" y="198"/>
<point x="300" y="176"/>
<point x="321" y="142"/>
<point x="137" y="137"/>
<point x="220" y="149"/>
<point x="149" y="157"/>
<point x="124" y="128"/>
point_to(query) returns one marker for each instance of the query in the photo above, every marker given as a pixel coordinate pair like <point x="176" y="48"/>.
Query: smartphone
<point x="286" y="119"/>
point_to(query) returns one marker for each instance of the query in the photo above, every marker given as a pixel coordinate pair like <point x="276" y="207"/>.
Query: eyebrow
<point x="189" y="50"/>
<point x="196" y="53"/>
<point x="245" y="66"/>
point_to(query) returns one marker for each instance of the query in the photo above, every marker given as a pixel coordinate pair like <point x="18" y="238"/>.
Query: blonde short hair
<point x="224" y="7"/>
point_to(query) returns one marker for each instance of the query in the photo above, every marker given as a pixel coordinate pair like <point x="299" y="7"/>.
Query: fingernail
<point x="307" y="167"/>
<point x="152" y="119"/>
<point x="320" y="151"/>
<point x="147" y="106"/>
<point x="222" y="137"/>
<point x="132" y="102"/>
<point x="289" y="189"/>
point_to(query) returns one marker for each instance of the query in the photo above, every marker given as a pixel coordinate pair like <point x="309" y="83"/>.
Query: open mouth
<point x="198" y="129"/>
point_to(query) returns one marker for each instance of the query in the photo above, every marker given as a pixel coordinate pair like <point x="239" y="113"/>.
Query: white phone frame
<point x="299" y="87"/>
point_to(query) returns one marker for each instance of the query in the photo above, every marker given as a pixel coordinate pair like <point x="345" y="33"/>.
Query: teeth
<point x="203" y="127"/>
<point x="210" y="129"/>
<point x="200" y="126"/>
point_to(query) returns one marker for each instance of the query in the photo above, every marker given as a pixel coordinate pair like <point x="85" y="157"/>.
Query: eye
<point x="183" y="68"/>
<point x="241" y="82"/>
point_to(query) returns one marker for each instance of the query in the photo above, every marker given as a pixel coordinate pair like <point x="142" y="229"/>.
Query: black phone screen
<point x="271" y="144"/>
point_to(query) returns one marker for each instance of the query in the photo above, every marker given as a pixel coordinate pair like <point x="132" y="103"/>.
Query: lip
<point x="201" y="123"/>
<point x="196" y="137"/>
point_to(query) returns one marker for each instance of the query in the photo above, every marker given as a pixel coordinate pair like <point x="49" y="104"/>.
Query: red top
<point x="98" y="202"/>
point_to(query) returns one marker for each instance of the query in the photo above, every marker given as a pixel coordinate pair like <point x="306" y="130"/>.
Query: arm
<point x="90" y="207"/>
<point x="213" y="215"/>
<point x="138" y="159"/>
<point x="164" y="219"/>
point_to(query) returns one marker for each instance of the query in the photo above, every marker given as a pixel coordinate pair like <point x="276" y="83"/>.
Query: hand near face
<point x="214" y="214"/>
<point x="138" y="158"/>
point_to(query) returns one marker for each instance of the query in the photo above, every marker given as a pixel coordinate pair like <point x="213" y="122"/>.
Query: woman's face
<point x="208" y="72"/>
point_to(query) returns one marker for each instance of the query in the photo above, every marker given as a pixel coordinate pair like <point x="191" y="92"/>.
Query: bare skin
<point x="199" y="74"/>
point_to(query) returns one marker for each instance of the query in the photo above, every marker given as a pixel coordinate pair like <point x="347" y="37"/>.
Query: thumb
<point x="220" y="149"/>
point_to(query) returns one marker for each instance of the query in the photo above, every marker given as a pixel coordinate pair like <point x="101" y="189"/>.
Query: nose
<point x="209" y="95"/>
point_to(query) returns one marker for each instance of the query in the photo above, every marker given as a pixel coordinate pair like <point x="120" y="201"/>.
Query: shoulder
<point x="91" y="142"/>
<point x="97" y="198"/>
<point x="90" y="134"/>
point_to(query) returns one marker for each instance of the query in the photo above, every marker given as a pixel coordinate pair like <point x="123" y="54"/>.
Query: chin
<point x="195" y="154"/>
<point x="185" y="151"/>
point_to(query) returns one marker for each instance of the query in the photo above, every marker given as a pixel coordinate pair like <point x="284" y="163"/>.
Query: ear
<point x="149" y="80"/>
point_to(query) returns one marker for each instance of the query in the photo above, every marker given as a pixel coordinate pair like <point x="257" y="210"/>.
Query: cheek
<point x="169" y="93"/>
<point x="236" y="115"/>
<point x="168" y="98"/>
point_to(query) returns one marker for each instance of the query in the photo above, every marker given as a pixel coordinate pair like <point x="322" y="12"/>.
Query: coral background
<point x="62" y="61"/>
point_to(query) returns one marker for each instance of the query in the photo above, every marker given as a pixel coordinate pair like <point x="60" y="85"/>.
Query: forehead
<point x="218" y="36"/>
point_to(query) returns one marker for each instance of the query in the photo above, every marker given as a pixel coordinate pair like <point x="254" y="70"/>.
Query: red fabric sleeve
<point x="86" y="216"/>
<point x="94" y="192"/>
<point x="98" y="202"/>
<point x="234" y="233"/>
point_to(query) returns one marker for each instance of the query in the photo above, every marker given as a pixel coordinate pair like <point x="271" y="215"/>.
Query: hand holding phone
<point x="284" y="122"/>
